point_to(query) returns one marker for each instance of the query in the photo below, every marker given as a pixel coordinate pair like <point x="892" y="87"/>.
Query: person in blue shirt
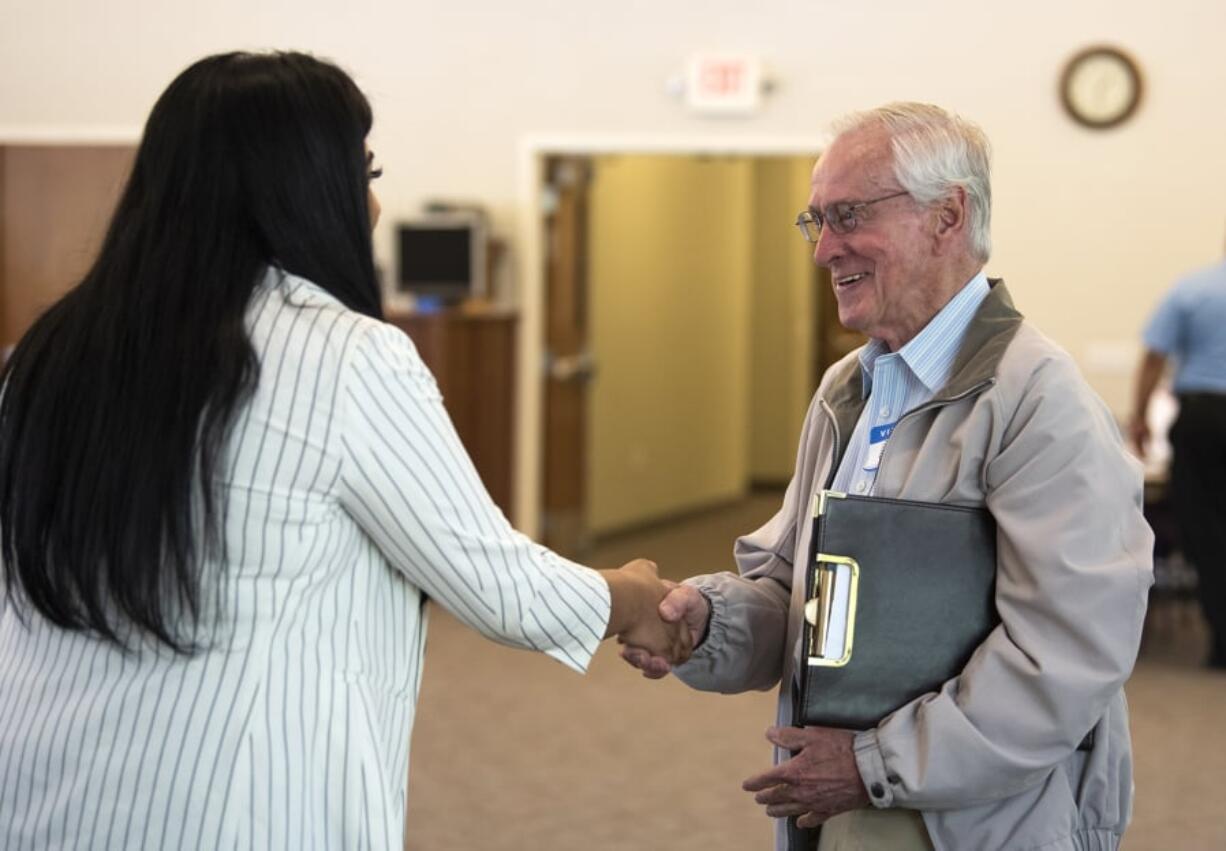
<point x="1189" y="329"/>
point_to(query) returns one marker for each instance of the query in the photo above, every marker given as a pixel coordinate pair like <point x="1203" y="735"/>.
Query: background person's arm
<point x="1149" y="373"/>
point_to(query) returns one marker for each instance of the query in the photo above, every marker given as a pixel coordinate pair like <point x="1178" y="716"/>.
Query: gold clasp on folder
<point x="819" y="608"/>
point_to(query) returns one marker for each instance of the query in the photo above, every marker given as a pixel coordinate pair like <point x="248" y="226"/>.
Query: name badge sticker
<point x="877" y="437"/>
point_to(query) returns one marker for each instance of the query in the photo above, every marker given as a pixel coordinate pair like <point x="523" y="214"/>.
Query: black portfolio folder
<point x="899" y="594"/>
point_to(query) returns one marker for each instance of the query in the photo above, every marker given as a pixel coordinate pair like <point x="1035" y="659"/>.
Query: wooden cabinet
<point x="55" y="204"/>
<point x="472" y="356"/>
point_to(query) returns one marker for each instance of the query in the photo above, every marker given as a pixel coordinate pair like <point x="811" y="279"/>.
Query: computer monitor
<point x="442" y="256"/>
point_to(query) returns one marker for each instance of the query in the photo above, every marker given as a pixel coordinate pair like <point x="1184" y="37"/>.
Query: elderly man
<point x="955" y="399"/>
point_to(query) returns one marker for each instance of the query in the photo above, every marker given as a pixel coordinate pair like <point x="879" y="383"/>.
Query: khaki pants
<point x="875" y="830"/>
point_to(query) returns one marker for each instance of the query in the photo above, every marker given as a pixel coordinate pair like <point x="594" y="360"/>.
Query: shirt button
<point x="877" y="790"/>
<point x="861" y="486"/>
<point x="885" y="412"/>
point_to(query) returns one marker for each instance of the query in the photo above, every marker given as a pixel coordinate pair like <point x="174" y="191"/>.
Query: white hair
<point x="934" y="152"/>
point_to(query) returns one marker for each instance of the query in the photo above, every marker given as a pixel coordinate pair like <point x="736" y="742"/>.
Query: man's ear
<point x="951" y="215"/>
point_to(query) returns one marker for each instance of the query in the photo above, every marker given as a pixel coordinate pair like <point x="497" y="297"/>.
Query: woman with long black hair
<point x="226" y="490"/>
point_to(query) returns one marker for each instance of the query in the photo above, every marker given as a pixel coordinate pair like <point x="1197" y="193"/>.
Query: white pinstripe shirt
<point x="349" y="498"/>
<point x="897" y="382"/>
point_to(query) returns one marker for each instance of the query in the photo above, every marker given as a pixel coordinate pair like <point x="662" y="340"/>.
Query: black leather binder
<point x="916" y="581"/>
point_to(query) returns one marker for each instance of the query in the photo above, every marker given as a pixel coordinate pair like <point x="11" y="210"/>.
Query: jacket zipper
<point x="929" y="405"/>
<point x="834" y="467"/>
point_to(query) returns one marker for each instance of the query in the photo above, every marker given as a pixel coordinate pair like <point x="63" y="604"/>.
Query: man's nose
<point x="828" y="248"/>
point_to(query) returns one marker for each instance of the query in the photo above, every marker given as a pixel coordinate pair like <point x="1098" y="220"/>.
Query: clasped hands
<point x="819" y="781"/>
<point x="637" y="619"/>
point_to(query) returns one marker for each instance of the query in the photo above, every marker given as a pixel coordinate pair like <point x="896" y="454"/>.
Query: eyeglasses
<point x="842" y="218"/>
<point x="373" y="172"/>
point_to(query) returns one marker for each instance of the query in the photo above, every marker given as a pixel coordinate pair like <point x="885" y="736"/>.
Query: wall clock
<point x="1101" y="87"/>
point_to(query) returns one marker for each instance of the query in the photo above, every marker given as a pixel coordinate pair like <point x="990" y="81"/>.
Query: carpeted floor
<point x="513" y="752"/>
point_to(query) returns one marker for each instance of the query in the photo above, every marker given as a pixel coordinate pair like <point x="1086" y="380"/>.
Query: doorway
<point x="685" y="330"/>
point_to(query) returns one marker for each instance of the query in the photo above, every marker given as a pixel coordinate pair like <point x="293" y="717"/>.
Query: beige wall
<point x="669" y="270"/>
<point x="1090" y="226"/>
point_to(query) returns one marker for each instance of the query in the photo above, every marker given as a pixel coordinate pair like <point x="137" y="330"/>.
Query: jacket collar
<point x="987" y="337"/>
<point x="989" y="334"/>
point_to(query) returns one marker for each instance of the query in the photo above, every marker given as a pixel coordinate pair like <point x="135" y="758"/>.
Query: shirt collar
<point x="930" y="353"/>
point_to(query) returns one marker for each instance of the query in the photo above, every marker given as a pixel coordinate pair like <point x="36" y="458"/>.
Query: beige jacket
<point x="991" y="759"/>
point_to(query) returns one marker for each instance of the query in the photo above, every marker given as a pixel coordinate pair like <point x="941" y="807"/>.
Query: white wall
<point x="1089" y="226"/>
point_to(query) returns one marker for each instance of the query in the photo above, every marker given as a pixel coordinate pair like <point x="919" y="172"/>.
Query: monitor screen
<point x="442" y="257"/>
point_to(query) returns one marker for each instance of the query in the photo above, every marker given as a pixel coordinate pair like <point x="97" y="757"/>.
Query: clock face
<point x="1101" y="87"/>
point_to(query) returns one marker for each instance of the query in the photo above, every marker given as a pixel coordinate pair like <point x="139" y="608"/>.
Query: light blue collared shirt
<point x="1190" y="327"/>
<point x="901" y="381"/>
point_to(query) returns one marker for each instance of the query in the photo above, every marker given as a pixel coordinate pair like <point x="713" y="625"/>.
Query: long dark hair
<point x="118" y="402"/>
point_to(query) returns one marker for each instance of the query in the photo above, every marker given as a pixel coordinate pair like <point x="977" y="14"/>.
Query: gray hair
<point x="934" y="152"/>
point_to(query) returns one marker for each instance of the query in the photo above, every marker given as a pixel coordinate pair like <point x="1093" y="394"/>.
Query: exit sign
<point x="723" y="84"/>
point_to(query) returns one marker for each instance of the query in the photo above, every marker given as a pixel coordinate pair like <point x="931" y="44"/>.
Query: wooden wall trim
<point x="4" y="156"/>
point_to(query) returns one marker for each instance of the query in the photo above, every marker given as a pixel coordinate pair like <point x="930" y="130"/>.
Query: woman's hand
<point x="637" y="592"/>
<point x="684" y="605"/>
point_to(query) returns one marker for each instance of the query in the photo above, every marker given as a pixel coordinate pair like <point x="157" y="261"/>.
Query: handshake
<point x="659" y="622"/>
<point x="656" y="620"/>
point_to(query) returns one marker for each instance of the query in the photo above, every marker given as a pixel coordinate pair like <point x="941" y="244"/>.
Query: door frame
<point x="530" y="293"/>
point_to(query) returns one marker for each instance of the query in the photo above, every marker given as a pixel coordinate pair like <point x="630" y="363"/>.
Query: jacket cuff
<point x="873" y="771"/>
<point x="716" y="637"/>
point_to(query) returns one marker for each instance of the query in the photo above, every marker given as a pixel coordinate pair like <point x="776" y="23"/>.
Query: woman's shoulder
<point x="291" y="312"/>
<point x="317" y="326"/>
<point x="283" y="292"/>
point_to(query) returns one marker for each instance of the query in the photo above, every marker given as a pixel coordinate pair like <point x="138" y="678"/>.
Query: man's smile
<point x="848" y="280"/>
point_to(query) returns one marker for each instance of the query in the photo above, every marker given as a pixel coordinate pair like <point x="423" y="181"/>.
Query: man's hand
<point x="820" y="781"/>
<point x="637" y="593"/>
<point x="683" y="606"/>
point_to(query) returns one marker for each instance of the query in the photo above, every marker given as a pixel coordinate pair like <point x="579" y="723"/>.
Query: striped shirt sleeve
<point x="408" y="482"/>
